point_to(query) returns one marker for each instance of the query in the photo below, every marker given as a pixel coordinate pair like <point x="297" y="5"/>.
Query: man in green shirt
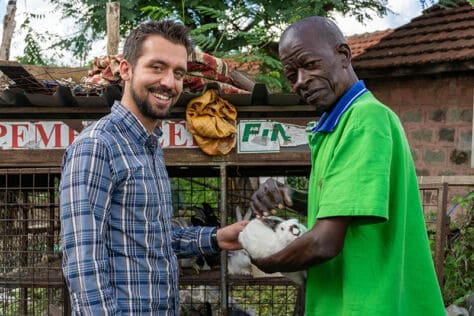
<point x="367" y="250"/>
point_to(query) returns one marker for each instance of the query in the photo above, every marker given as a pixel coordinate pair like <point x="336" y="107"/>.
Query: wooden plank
<point x="451" y="180"/>
<point x="57" y="73"/>
<point x="49" y="158"/>
<point x="52" y="113"/>
<point x="174" y="157"/>
<point x="266" y="110"/>
<point x="23" y="79"/>
<point x="24" y="158"/>
<point x="256" y="112"/>
<point x="30" y="171"/>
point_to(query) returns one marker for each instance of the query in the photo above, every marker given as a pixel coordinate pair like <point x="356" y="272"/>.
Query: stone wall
<point x="436" y="112"/>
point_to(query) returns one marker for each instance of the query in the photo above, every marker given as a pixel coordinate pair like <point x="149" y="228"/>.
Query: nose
<point x="301" y="80"/>
<point x="168" y="79"/>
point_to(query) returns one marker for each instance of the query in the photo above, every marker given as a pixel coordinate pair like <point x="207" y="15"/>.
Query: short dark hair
<point x="170" y="30"/>
<point x="324" y="27"/>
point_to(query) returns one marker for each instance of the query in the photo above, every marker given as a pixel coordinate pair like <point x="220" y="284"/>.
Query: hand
<point x="263" y="264"/>
<point x="270" y="196"/>
<point x="321" y="243"/>
<point x="227" y="237"/>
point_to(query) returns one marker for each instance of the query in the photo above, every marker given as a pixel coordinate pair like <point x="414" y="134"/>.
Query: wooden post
<point x="113" y="31"/>
<point x="442" y="222"/>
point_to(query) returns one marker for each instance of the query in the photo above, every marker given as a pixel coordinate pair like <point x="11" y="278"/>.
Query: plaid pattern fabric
<point x="119" y="248"/>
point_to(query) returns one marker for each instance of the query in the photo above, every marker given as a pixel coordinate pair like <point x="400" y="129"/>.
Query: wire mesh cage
<point x="197" y="201"/>
<point x="32" y="301"/>
<point x="30" y="277"/>
<point x="272" y="296"/>
<point x="31" y="281"/>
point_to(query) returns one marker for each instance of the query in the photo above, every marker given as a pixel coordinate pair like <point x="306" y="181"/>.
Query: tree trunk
<point x="8" y="28"/>
<point x="113" y="27"/>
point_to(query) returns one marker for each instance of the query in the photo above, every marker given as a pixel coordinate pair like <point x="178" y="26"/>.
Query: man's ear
<point x="125" y="70"/>
<point x="345" y="51"/>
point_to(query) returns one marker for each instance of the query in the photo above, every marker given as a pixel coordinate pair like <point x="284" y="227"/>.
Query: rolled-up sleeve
<point x="85" y="193"/>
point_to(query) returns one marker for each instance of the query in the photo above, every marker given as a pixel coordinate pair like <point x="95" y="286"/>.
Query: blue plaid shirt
<point x="119" y="247"/>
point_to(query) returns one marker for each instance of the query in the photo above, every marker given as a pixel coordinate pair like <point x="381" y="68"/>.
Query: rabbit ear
<point x="271" y="222"/>
<point x="238" y="213"/>
<point x="248" y="214"/>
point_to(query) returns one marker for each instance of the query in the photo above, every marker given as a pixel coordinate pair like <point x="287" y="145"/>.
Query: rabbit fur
<point x="238" y="261"/>
<point x="263" y="237"/>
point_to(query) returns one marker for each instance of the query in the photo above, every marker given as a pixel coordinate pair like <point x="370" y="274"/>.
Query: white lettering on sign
<point x="253" y="136"/>
<point x="175" y="135"/>
<point x="58" y="135"/>
<point x="39" y="135"/>
<point x="267" y="136"/>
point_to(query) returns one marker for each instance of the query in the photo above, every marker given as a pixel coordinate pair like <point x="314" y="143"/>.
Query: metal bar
<point x="223" y="207"/>
<point x="24" y="301"/>
<point x="51" y="219"/>
<point x="67" y="303"/>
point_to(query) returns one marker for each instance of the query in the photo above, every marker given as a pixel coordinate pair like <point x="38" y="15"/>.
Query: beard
<point x="147" y="109"/>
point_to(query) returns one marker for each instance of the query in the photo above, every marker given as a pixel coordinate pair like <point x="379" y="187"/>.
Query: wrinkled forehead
<point x="289" y="40"/>
<point x="301" y="39"/>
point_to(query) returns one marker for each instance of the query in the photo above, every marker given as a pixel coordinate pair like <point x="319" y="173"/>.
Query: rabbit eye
<point x="295" y="230"/>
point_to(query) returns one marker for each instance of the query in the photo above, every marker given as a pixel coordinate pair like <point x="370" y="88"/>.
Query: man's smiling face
<point x="156" y="80"/>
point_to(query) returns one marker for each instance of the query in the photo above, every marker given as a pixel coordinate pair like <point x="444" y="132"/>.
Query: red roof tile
<point x="438" y="36"/>
<point x="359" y="43"/>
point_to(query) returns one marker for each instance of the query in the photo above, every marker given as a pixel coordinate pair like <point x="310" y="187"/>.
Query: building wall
<point x="436" y="112"/>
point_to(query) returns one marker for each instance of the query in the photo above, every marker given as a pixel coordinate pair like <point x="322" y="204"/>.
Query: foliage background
<point x="246" y="30"/>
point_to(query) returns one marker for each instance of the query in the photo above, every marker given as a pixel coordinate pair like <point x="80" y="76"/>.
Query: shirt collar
<point x="328" y="121"/>
<point x="134" y="125"/>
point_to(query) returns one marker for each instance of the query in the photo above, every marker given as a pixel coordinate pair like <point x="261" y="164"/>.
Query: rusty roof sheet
<point x="438" y="36"/>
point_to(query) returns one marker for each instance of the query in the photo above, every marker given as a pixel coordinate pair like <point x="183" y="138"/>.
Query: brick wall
<point x="436" y="112"/>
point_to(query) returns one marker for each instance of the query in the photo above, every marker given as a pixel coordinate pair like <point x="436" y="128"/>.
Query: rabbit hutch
<point x="39" y="121"/>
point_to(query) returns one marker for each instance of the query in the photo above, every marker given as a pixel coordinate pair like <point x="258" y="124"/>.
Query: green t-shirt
<point x="364" y="169"/>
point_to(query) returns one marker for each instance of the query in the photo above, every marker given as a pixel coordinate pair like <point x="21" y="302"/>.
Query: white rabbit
<point x="266" y="236"/>
<point x="238" y="261"/>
